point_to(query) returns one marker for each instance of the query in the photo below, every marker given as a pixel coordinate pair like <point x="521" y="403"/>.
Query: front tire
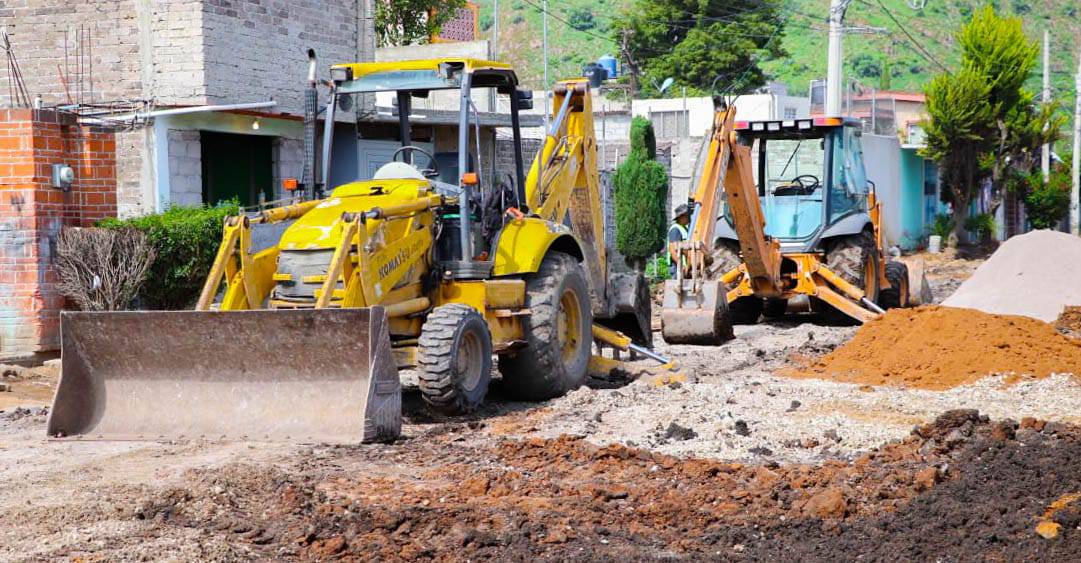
<point x="558" y="333"/>
<point x="897" y="295"/>
<point x="454" y="359"/>
<point x="855" y="259"/>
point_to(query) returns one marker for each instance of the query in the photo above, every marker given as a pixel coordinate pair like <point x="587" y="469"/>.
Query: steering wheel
<point x="804" y="184"/>
<point x="809" y="182"/>
<point x="431" y="172"/>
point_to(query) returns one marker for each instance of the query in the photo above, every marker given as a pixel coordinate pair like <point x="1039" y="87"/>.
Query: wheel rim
<point x="902" y="292"/>
<point x="569" y="326"/>
<point x="468" y="364"/>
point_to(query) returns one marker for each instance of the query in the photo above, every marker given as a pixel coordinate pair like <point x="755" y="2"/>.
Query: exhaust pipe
<point x="311" y="106"/>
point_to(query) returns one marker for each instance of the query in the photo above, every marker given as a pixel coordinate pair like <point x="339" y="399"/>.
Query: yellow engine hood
<point x="321" y="228"/>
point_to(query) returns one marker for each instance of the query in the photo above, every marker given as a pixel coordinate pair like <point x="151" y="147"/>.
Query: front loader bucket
<point x="293" y="375"/>
<point x="695" y="317"/>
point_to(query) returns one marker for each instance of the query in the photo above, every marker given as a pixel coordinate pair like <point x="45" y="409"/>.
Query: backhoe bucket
<point x="276" y="375"/>
<point x="695" y="317"/>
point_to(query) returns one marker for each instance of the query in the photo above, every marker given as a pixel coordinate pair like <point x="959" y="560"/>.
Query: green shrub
<point x="983" y="225"/>
<point x="657" y="268"/>
<point x="185" y="240"/>
<point x="943" y="226"/>
<point x="1046" y="203"/>
<point x="641" y="191"/>
<point x="643" y="138"/>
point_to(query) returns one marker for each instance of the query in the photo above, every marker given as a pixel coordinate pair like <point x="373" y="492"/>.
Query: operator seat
<point x="397" y="170"/>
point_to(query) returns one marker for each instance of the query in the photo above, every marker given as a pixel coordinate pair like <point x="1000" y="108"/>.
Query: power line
<point x="912" y="40"/>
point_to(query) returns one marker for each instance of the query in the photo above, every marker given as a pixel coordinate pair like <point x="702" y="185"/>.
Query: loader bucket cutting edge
<point x="274" y="375"/>
<point x="695" y="317"/>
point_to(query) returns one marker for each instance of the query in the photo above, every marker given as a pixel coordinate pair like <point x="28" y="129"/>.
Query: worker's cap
<point x="681" y="210"/>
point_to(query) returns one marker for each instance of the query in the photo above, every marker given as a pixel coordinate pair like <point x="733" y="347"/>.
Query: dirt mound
<point x="1034" y="275"/>
<point x="959" y="487"/>
<point x="943" y="347"/>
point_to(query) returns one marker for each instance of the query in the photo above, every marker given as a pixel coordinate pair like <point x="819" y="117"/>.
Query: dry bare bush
<point x="102" y="269"/>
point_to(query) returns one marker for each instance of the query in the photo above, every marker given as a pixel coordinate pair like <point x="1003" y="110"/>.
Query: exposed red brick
<point x="31" y="141"/>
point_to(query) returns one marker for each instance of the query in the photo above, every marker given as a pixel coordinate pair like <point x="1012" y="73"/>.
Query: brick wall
<point x="32" y="214"/>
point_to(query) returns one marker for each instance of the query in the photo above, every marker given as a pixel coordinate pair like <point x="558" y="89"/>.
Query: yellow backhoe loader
<point x="803" y="232"/>
<point x="426" y="265"/>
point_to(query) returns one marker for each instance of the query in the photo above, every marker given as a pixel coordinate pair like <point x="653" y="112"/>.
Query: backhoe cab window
<point x="792" y="186"/>
<point x="400" y="80"/>
<point x="790" y="159"/>
<point x="849" y="190"/>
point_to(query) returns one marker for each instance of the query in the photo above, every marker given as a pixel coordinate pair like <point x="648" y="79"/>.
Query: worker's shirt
<point x="676" y="233"/>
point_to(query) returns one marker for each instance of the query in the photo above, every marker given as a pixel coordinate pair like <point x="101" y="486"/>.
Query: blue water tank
<point x="609" y="63"/>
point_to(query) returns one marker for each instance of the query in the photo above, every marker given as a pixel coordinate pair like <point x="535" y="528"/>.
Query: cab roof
<point x="470" y="65"/>
<point x="427" y="74"/>
<point x="802" y="124"/>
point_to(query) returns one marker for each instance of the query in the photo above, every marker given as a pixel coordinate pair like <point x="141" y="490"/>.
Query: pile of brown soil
<point x="943" y="347"/>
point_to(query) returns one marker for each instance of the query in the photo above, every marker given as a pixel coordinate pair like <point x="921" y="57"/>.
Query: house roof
<point x="898" y="95"/>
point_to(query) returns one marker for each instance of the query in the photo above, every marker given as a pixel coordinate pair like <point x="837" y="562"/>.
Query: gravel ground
<point x="229" y="501"/>
<point x="738" y="410"/>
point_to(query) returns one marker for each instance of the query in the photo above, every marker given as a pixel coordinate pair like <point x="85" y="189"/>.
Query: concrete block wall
<point x="174" y="52"/>
<point x="32" y="213"/>
<point x="257" y="50"/>
<point x="185" y="167"/>
<point x="288" y="155"/>
<point x="137" y="49"/>
<point x="38" y="29"/>
<point x="134" y="172"/>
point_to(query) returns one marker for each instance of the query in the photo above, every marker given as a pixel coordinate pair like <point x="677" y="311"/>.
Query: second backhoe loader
<point x="783" y="214"/>
<point x="421" y="266"/>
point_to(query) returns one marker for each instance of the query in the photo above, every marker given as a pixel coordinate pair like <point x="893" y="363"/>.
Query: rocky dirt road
<point x="740" y="464"/>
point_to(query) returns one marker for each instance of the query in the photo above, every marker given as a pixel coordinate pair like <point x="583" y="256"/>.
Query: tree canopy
<point x="984" y="125"/>
<point x="695" y="41"/>
<point x="402" y="22"/>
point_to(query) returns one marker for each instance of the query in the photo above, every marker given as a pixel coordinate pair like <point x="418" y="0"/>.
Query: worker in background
<point x="677" y="233"/>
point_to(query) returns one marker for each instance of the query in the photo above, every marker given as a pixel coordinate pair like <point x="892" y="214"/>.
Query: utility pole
<point x="545" y="39"/>
<point x="493" y="53"/>
<point x="495" y="29"/>
<point x="1045" y="154"/>
<point x="835" y="61"/>
<point x="1075" y="172"/>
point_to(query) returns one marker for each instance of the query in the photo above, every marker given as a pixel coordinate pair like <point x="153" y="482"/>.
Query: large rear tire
<point x="558" y="333"/>
<point x="897" y="295"/>
<point x="725" y="258"/>
<point x="454" y="359"/>
<point x="855" y="259"/>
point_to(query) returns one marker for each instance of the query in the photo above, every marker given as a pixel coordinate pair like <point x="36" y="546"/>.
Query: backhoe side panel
<point x="298" y="375"/>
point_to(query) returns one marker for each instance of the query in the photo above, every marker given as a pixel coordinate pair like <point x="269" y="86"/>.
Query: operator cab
<point x="810" y="178"/>
<point x="458" y="172"/>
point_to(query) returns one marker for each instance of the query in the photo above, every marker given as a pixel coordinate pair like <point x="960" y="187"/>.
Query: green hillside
<point x="584" y="35"/>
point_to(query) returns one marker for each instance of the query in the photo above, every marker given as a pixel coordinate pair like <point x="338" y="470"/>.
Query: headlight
<point x="341" y="74"/>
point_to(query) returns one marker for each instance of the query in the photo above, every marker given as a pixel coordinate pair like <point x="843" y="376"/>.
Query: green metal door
<point x="236" y="166"/>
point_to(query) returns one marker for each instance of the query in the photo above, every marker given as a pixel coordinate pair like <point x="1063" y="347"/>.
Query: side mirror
<point x="524" y="98"/>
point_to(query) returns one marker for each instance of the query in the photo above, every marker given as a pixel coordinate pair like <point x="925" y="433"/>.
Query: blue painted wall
<point x="920" y="201"/>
